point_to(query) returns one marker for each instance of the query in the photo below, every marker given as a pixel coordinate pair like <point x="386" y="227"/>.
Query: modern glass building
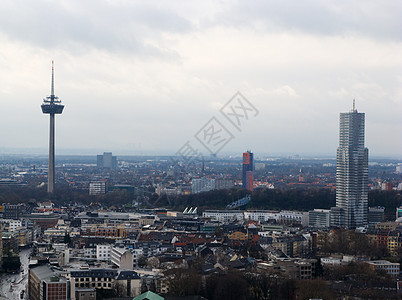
<point x="352" y="171"/>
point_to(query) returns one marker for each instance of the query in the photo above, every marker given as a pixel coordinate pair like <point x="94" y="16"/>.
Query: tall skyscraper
<point x="51" y="105"/>
<point x="352" y="171"/>
<point x="248" y="168"/>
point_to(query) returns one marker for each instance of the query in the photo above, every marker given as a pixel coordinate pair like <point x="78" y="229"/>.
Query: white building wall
<point x="224" y="215"/>
<point x="103" y="252"/>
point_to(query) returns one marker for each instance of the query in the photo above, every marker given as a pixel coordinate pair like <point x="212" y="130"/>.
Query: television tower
<point x="51" y="105"/>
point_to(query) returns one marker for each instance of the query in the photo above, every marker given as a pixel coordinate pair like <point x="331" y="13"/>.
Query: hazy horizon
<point x="43" y="152"/>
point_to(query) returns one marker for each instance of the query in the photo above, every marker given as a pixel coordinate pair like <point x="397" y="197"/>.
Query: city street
<point x="11" y="285"/>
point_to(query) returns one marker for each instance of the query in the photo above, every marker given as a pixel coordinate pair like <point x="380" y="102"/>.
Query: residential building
<point x="221" y="184"/>
<point x="293" y="217"/>
<point x="103" y="252"/>
<point x="122" y="258"/>
<point x="46" y="284"/>
<point x="85" y="294"/>
<point x="203" y="184"/>
<point x="224" y="215"/>
<point x="386" y="186"/>
<point x="126" y="283"/>
<point x="12" y="225"/>
<point x="97" y="187"/>
<point x="261" y="215"/>
<point x="12" y="211"/>
<point x="391" y="269"/>
<point x="352" y="171"/>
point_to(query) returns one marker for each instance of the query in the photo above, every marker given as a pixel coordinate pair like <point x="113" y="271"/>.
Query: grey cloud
<point x="98" y="24"/>
<point x="381" y="19"/>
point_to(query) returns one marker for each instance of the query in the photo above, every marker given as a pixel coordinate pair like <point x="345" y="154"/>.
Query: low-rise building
<point x="103" y="252"/>
<point x="261" y="215"/>
<point x="125" y="283"/>
<point x="224" y="216"/>
<point x="390" y="268"/>
<point x="122" y="258"/>
<point x="293" y="217"/>
<point x="46" y="284"/>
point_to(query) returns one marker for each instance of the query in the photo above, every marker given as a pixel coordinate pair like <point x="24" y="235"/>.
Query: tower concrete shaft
<point x="51" y="168"/>
<point x="51" y="105"/>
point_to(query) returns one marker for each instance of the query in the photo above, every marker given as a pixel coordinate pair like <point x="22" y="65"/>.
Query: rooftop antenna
<point x="354" y="109"/>
<point x="52" y="89"/>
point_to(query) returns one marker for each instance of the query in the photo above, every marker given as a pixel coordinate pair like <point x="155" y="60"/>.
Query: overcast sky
<point x="138" y="76"/>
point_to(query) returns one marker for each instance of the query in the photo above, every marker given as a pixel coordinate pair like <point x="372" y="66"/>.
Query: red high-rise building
<point x="248" y="170"/>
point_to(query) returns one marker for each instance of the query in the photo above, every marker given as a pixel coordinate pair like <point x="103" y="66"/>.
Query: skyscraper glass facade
<point x="352" y="171"/>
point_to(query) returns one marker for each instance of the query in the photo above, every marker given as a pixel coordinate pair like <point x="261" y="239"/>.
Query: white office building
<point x="203" y="184"/>
<point x="103" y="252"/>
<point x="97" y="187"/>
<point x="261" y="215"/>
<point x="224" y="216"/>
<point x="292" y="217"/>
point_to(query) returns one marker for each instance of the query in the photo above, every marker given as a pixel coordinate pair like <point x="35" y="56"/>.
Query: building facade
<point x="203" y="184"/>
<point x="319" y="218"/>
<point x="390" y="268"/>
<point x="97" y="187"/>
<point x="352" y="171"/>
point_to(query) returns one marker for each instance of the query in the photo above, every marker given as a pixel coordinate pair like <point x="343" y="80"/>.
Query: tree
<point x="260" y="287"/>
<point x="105" y="293"/>
<point x="314" y="289"/>
<point x="231" y="286"/>
<point x="153" y="262"/>
<point x="11" y="263"/>
<point x="183" y="282"/>
<point x="119" y="289"/>
<point x="67" y="238"/>
<point x="142" y="261"/>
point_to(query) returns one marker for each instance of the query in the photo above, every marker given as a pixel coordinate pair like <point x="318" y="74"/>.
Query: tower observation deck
<point x="51" y="105"/>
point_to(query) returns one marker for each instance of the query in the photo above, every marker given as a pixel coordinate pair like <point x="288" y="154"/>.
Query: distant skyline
<point x="138" y="77"/>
